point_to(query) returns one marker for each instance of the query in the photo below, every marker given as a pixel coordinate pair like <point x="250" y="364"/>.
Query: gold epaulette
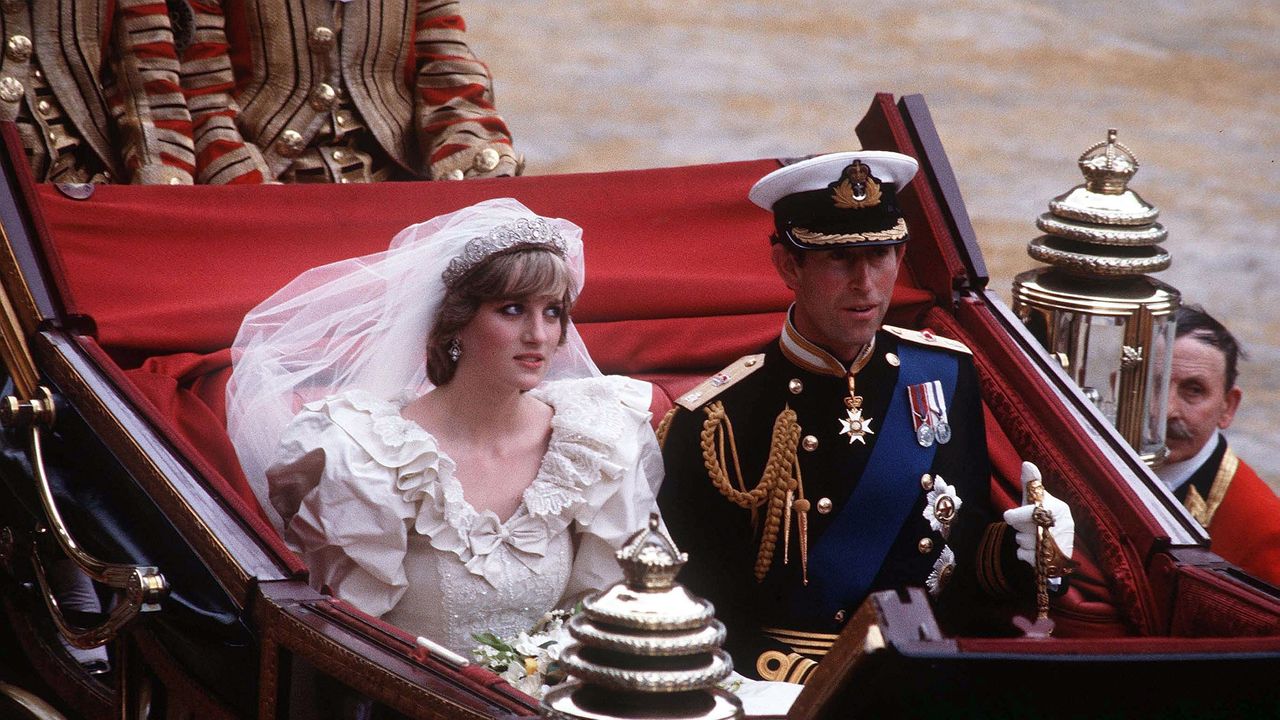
<point x="814" y="645"/>
<point x="708" y="389"/>
<point x="929" y="339"/>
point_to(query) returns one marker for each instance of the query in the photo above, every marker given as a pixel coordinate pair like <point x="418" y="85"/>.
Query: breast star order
<point x="856" y="426"/>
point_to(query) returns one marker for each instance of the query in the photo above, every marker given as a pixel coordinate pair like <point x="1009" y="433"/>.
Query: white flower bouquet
<point x="530" y="660"/>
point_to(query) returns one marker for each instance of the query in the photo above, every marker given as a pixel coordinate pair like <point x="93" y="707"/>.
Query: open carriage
<point x="120" y="305"/>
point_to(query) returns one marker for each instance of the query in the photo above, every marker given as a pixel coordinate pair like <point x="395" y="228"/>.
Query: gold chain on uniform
<point x="854" y="401"/>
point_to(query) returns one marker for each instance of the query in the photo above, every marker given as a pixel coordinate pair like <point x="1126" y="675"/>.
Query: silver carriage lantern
<point x="646" y="647"/>
<point x="1094" y="308"/>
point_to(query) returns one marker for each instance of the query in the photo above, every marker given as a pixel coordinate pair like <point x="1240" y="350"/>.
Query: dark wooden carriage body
<point x="123" y="304"/>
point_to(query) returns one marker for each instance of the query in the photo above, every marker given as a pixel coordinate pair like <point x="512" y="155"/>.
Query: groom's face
<point x="842" y="295"/>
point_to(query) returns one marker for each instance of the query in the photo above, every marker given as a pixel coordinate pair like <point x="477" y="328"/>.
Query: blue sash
<point x="846" y="559"/>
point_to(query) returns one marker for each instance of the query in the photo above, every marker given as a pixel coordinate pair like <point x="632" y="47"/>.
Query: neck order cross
<point x="854" y="426"/>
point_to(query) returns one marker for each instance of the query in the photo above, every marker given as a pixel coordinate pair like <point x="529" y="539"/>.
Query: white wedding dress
<point x="373" y="505"/>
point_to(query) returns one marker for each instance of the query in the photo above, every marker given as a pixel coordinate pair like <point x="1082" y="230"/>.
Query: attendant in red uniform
<point x="1240" y="511"/>
<point x="324" y="91"/>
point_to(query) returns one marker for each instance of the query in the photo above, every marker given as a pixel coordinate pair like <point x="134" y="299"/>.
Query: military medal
<point x="924" y="434"/>
<point x="854" y="426"/>
<point x="929" y="413"/>
<point x="941" y="505"/>
<point x="920" y="419"/>
<point x="943" y="568"/>
<point x="943" y="433"/>
<point x="938" y="413"/>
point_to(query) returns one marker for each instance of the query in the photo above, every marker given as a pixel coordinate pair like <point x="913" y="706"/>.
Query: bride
<point x="426" y="428"/>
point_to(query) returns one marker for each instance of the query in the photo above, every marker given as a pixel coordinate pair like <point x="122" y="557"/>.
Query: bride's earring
<point x="455" y="349"/>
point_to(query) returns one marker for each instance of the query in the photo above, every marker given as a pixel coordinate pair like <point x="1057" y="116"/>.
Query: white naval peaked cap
<point x="847" y="199"/>
<point x="819" y="172"/>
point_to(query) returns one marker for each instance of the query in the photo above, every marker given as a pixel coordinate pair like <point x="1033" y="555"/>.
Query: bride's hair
<point x="523" y="273"/>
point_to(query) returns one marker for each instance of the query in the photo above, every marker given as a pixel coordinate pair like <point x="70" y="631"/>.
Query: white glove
<point x="1063" y="530"/>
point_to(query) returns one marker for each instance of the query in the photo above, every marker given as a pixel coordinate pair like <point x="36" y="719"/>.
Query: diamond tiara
<point x="520" y="234"/>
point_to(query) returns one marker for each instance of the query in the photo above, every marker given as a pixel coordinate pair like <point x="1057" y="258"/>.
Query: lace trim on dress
<point x="424" y="475"/>
<point x="390" y="440"/>
<point x="586" y="427"/>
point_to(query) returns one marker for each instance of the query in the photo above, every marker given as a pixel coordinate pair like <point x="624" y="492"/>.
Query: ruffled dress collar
<point x="584" y="427"/>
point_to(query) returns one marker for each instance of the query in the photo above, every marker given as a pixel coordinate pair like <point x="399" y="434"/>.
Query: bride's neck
<point x="472" y="404"/>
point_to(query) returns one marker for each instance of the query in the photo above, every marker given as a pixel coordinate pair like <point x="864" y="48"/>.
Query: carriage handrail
<point x="142" y="586"/>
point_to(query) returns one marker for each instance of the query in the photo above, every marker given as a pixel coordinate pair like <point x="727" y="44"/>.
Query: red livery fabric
<point x="1246" y="527"/>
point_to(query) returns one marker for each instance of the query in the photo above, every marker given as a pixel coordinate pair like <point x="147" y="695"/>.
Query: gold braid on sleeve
<point x="779" y="479"/>
<point x="784" y="667"/>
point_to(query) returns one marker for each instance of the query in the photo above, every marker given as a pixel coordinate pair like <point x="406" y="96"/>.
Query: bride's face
<point x="510" y="341"/>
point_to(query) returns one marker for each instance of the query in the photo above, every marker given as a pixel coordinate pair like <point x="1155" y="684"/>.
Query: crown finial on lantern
<point x="1108" y="166"/>
<point x="650" y="560"/>
<point x="1102" y="228"/>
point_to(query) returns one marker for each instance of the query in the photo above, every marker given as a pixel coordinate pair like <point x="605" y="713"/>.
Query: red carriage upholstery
<point x="679" y="283"/>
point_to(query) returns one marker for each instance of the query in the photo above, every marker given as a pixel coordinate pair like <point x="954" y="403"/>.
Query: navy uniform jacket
<point x="723" y="539"/>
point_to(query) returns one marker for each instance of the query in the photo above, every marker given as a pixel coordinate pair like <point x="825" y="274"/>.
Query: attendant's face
<point x="1199" y="401"/>
<point x="842" y="295"/>
<point x="511" y="341"/>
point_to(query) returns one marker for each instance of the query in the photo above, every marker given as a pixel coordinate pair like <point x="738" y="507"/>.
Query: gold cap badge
<point x="857" y="188"/>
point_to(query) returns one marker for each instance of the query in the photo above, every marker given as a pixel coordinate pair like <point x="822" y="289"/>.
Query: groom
<point x="847" y="456"/>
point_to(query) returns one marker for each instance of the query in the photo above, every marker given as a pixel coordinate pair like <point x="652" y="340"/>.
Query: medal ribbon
<point x="920" y="415"/>
<point x="937" y="403"/>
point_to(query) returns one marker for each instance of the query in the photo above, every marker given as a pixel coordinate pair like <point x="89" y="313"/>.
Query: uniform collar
<point x="806" y="354"/>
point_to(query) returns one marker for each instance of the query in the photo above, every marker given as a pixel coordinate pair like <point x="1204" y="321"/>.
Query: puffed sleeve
<point x="618" y="504"/>
<point x="341" y="511"/>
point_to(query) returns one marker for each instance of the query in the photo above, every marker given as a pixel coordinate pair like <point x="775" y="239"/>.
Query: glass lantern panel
<point x="1095" y="345"/>
<point x="1159" y="369"/>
